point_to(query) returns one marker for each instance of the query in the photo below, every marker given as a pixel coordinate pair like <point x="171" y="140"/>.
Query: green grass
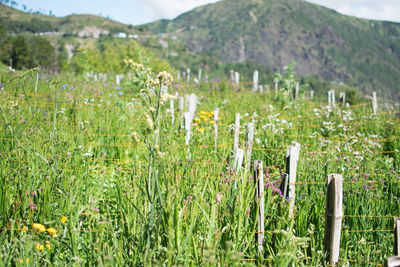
<point x="136" y="195"/>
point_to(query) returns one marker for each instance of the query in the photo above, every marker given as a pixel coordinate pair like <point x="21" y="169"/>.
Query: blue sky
<point x="143" y="11"/>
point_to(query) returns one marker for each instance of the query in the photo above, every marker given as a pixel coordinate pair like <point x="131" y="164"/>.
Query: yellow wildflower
<point x="196" y="119"/>
<point x="39" y="227"/>
<point x="212" y="122"/>
<point x="48" y="245"/>
<point x="22" y="261"/>
<point x="63" y="219"/>
<point x="201" y="129"/>
<point x="27" y="260"/>
<point x="39" y="247"/>
<point x="52" y="232"/>
<point x="204" y="118"/>
<point x="203" y="113"/>
<point x="24" y="229"/>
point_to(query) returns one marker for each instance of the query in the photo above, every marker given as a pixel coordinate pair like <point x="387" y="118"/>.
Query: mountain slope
<point x="17" y="21"/>
<point x="323" y="42"/>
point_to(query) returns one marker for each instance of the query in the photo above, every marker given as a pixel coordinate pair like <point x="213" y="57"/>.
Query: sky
<point x="137" y="12"/>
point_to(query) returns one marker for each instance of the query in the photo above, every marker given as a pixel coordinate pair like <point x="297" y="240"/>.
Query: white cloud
<point x="171" y="8"/>
<point x="370" y="9"/>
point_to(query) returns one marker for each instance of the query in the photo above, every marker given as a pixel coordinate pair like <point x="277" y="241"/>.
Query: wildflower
<point x="39" y="247"/>
<point x="212" y="122"/>
<point x="1" y="85"/>
<point x="32" y="205"/>
<point x="39" y="227"/>
<point x="164" y="77"/>
<point x="48" y="245"/>
<point x="22" y="261"/>
<point x="24" y="229"/>
<point x="33" y="194"/>
<point x="87" y="154"/>
<point x="201" y="129"/>
<point x="196" y="119"/>
<point x="52" y="232"/>
<point x="218" y="198"/>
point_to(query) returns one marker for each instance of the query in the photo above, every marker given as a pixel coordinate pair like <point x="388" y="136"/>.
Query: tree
<point x="41" y="53"/>
<point x="20" y="53"/>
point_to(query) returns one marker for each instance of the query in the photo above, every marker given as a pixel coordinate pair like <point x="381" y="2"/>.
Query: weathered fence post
<point x="397" y="236"/>
<point x="333" y="217"/>
<point x="238" y="161"/>
<point x="178" y="76"/>
<point x="311" y="95"/>
<point x="374" y="103"/>
<point x="188" y="126"/>
<point x="188" y="75"/>
<point x="276" y="81"/>
<point x="199" y="77"/>
<point x="259" y="203"/>
<point x="237" y="79"/>
<point x="260" y="88"/>
<point x="255" y="81"/>
<point x="216" y="119"/>
<point x="333" y="98"/>
<point x="296" y="94"/>
<point x="236" y="133"/>
<point x="342" y="97"/>
<point x="181" y="102"/>
<point x="249" y="141"/>
<point x="288" y="187"/>
<point x="393" y="261"/>
<point x="117" y="79"/>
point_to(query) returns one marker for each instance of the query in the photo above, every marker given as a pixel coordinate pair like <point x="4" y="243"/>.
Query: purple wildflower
<point x="33" y="194"/>
<point x="32" y="205"/>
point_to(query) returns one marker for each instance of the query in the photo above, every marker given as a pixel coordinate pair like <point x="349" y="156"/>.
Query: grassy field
<point x="97" y="174"/>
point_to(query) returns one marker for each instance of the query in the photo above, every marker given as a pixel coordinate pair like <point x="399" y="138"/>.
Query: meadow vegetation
<point x="99" y="174"/>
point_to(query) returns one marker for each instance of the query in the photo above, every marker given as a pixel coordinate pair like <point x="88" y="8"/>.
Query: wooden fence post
<point x="188" y="126"/>
<point x="200" y="72"/>
<point x="276" y="81"/>
<point x="237" y="80"/>
<point x="249" y="141"/>
<point x="255" y="81"/>
<point x="393" y="261"/>
<point x="259" y="203"/>
<point x="188" y="75"/>
<point x="296" y="93"/>
<point x="333" y="217"/>
<point x="333" y="98"/>
<point x="181" y="103"/>
<point x="292" y="157"/>
<point x="236" y="133"/>
<point x="396" y="236"/>
<point x="238" y="161"/>
<point x="311" y="95"/>
<point x="329" y="99"/>
<point x="216" y="120"/>
<point x="374" y="103"/>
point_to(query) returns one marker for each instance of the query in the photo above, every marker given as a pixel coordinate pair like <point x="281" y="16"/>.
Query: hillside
<point x="336" y="47"/>
<point x="84" y="25"/>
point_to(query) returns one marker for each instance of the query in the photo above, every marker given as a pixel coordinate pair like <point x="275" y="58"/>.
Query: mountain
<point x="324" y="43"/>
<point x="85" y="25"/>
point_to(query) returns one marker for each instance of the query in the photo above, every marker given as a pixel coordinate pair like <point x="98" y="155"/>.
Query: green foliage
<point x="109" y="56"/>
<point x="23" y="53"/>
